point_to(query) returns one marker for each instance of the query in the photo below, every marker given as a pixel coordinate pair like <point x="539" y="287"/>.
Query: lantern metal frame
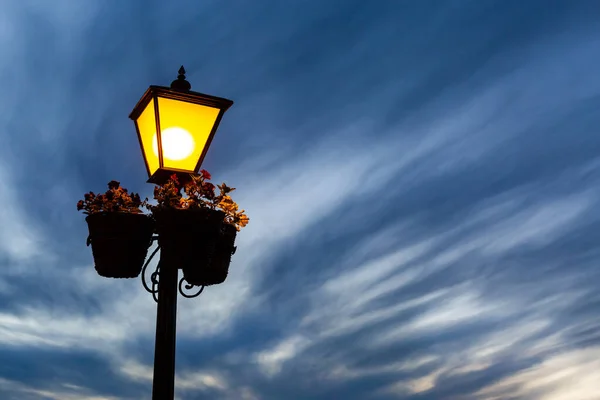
<point x="180" y="92"/>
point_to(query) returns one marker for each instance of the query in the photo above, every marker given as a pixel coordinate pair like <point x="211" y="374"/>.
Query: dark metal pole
<point x="163" y="385"/>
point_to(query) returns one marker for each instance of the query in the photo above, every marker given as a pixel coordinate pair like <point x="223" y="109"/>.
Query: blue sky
<point x="421" y="177"/>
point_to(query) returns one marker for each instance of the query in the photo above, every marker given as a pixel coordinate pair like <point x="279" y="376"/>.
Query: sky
<point x="422" y="181"/>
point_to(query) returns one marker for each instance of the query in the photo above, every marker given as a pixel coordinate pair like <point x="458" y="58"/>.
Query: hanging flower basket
<point x="119" y="242"/>
<point x="197" y="228"/>
<point x="224" y="249"/>
<point x="119" y="233"/>
<point x="188" y="239"/>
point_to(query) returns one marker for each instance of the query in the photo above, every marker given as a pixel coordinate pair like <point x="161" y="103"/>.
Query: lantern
<point x="175" y="127"/>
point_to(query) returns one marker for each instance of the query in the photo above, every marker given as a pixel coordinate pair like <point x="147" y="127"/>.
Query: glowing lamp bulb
<point x="177" y="143"/>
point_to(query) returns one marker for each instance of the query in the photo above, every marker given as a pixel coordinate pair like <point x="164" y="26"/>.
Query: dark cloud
<point x="60" y="370"/>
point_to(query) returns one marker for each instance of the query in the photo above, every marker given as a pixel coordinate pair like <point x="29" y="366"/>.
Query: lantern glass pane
<point x="147" y="127"/>
<point x="185" y="128"/>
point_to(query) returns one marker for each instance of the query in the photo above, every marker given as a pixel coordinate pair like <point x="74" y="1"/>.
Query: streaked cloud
<point x="421" y="177"/>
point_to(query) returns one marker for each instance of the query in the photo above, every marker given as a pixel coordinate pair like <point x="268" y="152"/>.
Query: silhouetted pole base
<point x="163" y="385"/>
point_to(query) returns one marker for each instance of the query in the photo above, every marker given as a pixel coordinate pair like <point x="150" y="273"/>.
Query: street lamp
<point x="175" y="127"/>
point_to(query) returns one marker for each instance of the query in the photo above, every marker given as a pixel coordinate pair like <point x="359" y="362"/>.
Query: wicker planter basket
<point x="188" y="240"/>
<point x="119" y="242"/>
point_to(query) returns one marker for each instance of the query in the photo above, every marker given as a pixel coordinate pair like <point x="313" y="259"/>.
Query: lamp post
<point x="175" y="127"/>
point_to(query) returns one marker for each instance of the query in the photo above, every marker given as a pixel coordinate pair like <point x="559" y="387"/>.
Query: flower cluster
<point x="116" y="199"/>
<point x="233" y="216"/>
<point x="199" y="193"/>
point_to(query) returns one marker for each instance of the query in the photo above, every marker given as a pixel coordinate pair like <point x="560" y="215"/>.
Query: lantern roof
<point x="180" y="90"/>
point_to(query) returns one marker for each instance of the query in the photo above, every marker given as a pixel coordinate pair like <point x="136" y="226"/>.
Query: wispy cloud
<point x="421" y="180"/>
<point x="571" y="375"/>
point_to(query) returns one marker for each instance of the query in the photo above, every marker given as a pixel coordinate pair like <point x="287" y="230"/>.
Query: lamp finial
<point x="181" y="83"/>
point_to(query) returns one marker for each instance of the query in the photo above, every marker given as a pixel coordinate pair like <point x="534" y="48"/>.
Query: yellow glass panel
<point x="147" y="125"/>
<point x="184" y="128"/>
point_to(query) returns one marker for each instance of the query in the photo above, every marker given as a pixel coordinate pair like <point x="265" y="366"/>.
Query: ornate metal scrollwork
<point x="188" y="287"/>
<point x="154" y="278"/>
